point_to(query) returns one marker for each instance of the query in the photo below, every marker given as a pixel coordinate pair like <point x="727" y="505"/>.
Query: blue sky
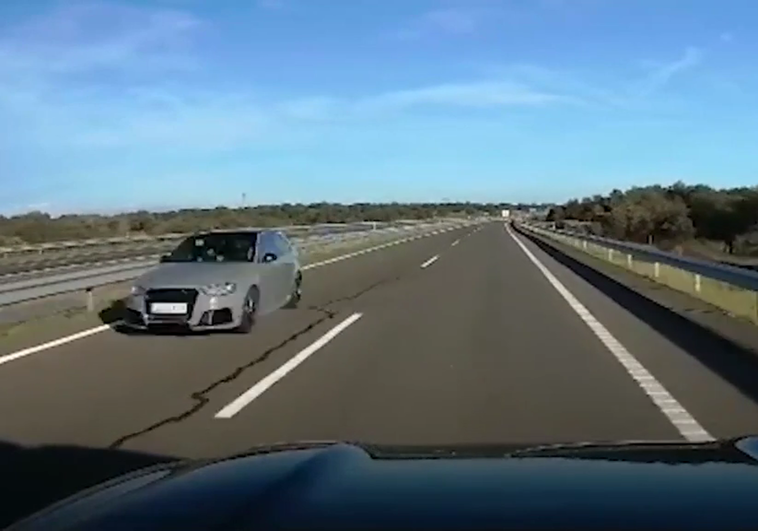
<point x="119" y="105"/>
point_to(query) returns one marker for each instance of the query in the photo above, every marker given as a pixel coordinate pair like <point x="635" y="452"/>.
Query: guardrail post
<point x="90" y="297"/>
<point x="697" y="283"/>
<point x="584" y="244"/>
<point x="629" y="261"/>
<point x="657" y="270"/>
<point x="610" y="255"/>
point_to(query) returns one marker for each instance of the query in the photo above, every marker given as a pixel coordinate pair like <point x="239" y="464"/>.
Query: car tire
<point x="249" y="311"/>
<point x="297" y="293"/>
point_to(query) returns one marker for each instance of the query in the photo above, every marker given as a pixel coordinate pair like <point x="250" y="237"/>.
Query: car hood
<point x="194" y="274"/>
<point x="337" y="485"/>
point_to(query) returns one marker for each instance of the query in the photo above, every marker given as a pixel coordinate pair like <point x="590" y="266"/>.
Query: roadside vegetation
<point x="696" y="220"/>
<point x="40" y="227"/>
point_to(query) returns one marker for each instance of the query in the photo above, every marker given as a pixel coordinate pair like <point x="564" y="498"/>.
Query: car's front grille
<point x="172" y="295"/>
<point x="187" y="296"/>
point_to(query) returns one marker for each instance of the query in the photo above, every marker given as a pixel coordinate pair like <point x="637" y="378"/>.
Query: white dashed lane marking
<point x="266" y="383"/>
<point x="430" y="261"/>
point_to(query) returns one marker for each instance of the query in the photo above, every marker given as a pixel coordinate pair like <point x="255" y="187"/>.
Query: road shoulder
<point x="706" y="359"/>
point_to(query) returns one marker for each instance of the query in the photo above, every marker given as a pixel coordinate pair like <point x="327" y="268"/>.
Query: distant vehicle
<point x="220" y="280"/>
<point x="351" y="486"/>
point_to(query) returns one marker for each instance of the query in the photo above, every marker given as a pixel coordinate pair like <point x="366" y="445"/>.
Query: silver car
<point x="218" y="280"/>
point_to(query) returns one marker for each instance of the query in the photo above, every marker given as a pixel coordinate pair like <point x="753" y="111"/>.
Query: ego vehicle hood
<point x="336" y="485"/>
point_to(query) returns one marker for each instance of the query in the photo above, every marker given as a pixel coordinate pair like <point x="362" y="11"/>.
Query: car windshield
<point x="216" y="247"/>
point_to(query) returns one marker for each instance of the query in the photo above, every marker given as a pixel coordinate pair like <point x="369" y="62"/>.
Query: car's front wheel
<point x="296" y="294"/>
<point x="249" y="311"/>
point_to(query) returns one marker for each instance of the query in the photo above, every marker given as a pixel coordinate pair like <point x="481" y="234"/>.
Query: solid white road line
<point x="51" y="344"/>
<point x="456" y="242"/>
<point x="430" y="261"/>
<point x="96" y="330"/>
<point x="262" y="386"/>
<point x="685" y="423"/>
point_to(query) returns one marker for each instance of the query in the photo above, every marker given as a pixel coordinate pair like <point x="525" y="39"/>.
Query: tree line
<point x="670" y="216"/>
<point x="39" y="227"/>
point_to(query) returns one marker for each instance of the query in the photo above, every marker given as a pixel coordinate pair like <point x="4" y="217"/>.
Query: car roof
<point x="231" y="231"/>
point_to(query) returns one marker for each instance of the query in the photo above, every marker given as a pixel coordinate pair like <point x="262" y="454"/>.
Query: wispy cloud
<point x="51" y="87"/>
<point x="183" y="120"/>
<point x="662" y="74"/>
<point x="464" y="18"/>
<point x="449" y="22"/>
<point x="320" y="108"/>
<point x="600" y="89"/>
<point x="452" y="21"/>
<point x="483" y="94"/>
<point x="83" y="37"/>
<point x="56" y="94"/>
<point x="574" y="86"/>
<point x="208" y="121"/>
<point x="67" y="75"/>
<point x="271" y="4"/>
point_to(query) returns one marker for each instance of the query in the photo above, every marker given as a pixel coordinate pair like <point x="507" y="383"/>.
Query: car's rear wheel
<point x="297" y="293"/>
<point x="249" y="311"/>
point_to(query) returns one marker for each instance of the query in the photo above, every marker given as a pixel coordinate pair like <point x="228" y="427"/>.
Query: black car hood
<point x="337" y="485"/>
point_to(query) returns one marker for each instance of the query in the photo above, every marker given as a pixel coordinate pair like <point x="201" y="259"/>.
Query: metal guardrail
<point x="89" y="279"/>
<point x="731" y="288"/>
<point x="45" y="258"/>
<point x="733" y="275"/>
<point x="146" y="238"/>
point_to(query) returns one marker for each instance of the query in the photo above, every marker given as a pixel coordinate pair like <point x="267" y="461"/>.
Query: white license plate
<point x="169" y="308"/>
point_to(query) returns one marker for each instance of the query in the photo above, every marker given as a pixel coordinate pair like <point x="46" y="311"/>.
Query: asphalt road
<point x="477" y="346"/>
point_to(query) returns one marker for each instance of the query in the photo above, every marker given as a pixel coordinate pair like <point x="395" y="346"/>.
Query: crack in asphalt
<point x="200" y="398"/>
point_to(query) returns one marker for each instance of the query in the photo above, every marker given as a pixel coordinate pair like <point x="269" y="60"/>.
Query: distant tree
<point x="670" y="214"/>
<point x="36" y="227"/>
<point x="555" y="214"/>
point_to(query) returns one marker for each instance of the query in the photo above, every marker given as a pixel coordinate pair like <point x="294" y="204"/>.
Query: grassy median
<point x="53" y="317"/>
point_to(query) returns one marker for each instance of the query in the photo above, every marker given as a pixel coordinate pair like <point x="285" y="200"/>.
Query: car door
<point x="270" y="271"/>
<point x="288" y="264"/>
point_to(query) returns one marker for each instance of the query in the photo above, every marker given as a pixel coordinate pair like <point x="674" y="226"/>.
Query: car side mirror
<point x="269" y="257"/>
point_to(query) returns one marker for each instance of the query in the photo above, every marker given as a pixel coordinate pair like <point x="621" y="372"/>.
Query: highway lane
<point x="477" y="346"/>
<point x="97" y="390"/>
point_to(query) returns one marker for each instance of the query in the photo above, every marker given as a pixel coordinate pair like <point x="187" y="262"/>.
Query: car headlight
<point x="217" y="290"/>
<point x="138" y="290"/>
